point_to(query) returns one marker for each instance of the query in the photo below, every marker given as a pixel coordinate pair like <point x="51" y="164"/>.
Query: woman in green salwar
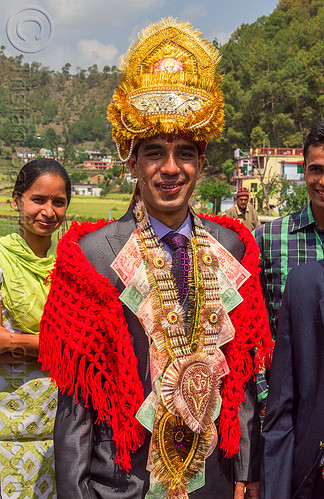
<point x="27" y="397"/>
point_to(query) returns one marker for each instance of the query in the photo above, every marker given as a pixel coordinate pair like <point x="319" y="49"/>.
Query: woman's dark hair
<point x="34" y="169"/>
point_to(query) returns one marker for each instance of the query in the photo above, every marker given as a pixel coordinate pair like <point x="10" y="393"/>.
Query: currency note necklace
<point x="184" y="433"/>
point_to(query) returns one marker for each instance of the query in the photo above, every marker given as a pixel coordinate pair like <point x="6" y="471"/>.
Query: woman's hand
<point x="5" y="340"/>
<point x="18" y="346"/>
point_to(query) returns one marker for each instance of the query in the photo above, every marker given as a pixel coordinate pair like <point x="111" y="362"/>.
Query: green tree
<point x="66" y="68"/>
<point x="259" y="138"/>
<point x="293" y="197"/>
<point x="52" y="140"/>
<point x="79" y="177"/>
<point x="214" y="191"/>
<point x="270" y="189"/>
<point x="227" y="168"/>
<point x="50" y="110"/>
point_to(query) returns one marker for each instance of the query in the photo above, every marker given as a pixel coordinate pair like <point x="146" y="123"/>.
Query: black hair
<point x="36" y="168"/>
<point x="315" y="137"/>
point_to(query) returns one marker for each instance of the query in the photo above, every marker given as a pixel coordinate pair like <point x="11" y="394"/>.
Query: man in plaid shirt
<point x="294" y="239"/>
<point x="298" y="237"/>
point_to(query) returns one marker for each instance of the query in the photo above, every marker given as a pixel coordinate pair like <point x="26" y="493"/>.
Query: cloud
<point x="96" y="52"/>
<point x="105" y="13"/>
<point x="193" y="11"/>
<point x="221" y="36"/>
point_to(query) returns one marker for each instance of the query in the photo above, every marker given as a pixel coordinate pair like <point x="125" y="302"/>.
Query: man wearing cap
<point x="243" y="209"/>
<point x="154" y="369"/>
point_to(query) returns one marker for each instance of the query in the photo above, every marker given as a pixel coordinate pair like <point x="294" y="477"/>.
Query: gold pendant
<point x="190" y="388"/>
<point x="177" y="452"/>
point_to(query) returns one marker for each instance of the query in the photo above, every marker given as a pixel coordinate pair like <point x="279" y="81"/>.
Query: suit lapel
<point x="124" y="227"/>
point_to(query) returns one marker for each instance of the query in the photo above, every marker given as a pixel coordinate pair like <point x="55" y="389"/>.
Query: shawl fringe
<point x="86" y="346"/>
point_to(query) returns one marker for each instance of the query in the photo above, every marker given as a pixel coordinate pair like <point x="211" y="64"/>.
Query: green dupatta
<point x="24" y="291"/>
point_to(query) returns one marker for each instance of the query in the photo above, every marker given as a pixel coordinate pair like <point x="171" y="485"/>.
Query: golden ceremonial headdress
<point x="170" y="84"/>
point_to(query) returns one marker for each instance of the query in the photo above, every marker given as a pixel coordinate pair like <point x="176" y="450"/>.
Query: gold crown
<point x="170" y="84"/>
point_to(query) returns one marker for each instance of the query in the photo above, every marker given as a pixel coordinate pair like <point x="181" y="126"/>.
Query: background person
<point x="243" y="209"/>
<point x="28" y="400"/>
<point x="296" y="238"/>
<point x="293" y="429"/>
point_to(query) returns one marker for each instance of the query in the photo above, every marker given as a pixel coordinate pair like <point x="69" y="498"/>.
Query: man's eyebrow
<point x="152" y="146"/>
<point x="187" y="147"/>
<point x="155" y="145"/>
<point x="321" y="165"/>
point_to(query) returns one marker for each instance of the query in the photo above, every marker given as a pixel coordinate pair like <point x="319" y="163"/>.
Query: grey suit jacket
<point x="84" y="451"/>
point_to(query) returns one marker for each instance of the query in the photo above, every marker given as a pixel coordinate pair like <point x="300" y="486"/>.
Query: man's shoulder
<point x="231" y="211"/>
<point x="305" y="284"/>
<point x="227" y="237"/>
<point x="274" y="226"/>
<point x="311" y="270"/>
<point x="99" y="234"/>
<point x="116" y="228"/>
<point x="102" y="245"/>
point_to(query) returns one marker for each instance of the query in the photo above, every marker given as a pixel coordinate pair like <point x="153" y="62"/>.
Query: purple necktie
<point x="180" y="261"/>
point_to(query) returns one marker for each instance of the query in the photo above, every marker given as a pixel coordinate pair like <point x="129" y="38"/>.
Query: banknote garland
<point x="184" y="432"/>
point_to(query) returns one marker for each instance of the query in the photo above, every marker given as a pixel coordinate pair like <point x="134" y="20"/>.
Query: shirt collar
<point x="160" y="230"/>
<point x="239" y="211"/>
<point x="303" y="218"/>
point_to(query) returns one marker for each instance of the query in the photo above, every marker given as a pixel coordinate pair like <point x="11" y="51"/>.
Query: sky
<point x="87" y="32"/>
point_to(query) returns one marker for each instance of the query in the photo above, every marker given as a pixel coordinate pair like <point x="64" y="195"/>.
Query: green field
<point x="8" y="226"/>
<point x="91" y="208"/>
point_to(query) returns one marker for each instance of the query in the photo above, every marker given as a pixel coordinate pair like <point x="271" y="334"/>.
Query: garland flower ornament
<point x="170" y="84"/>
<point x="187" y="351"/>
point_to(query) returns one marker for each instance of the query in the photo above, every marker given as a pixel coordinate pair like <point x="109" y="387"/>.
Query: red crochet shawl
<point x="86" y="346"/>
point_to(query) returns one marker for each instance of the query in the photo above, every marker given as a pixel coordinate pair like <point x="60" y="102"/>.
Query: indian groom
<point x="147" y="333"/>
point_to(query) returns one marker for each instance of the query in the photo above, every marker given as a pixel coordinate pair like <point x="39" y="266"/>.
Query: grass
<point x="7" y="226"/>
<point x="91" y="207"/>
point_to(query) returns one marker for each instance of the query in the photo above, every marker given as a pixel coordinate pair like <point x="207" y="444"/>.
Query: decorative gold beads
<point x="139" y="215"/>
<point x="172" y="318"/>
<point x="194" y="346"/>
<point x="213" y="318"/>
<point x="158" y="262"/>
<point x="207" y="259"/>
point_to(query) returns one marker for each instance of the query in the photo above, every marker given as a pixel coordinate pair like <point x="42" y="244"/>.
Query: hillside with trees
<point x="273" y="88"/>
<point x="273" y="79"/>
